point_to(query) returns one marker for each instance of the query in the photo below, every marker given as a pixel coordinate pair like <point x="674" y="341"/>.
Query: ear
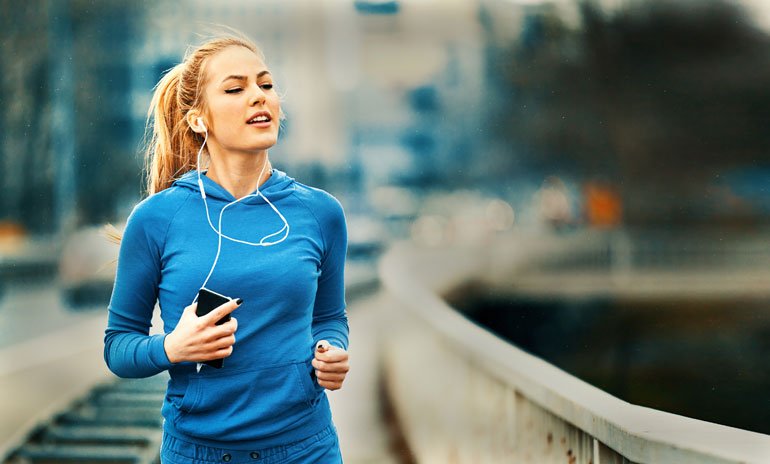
<point x="195" y="121"/>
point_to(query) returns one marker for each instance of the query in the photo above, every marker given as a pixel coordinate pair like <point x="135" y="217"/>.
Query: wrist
<point x="168" y="346"/>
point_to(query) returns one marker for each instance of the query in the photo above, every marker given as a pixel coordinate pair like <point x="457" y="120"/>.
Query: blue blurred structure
<point x="387" y="7"/>
<point x="62" y="117"/>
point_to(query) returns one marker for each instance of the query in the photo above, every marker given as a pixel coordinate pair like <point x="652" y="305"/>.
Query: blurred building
<point x="66" y="131"/>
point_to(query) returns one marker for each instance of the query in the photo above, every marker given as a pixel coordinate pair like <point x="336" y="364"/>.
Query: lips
<point x="260" y="117"/>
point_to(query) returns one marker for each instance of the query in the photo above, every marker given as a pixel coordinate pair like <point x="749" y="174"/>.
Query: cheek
<point x="227" y="114"/>
<point x="274" y="100"/>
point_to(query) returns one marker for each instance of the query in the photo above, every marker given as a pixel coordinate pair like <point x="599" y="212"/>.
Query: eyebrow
<point x="243" y="78"/>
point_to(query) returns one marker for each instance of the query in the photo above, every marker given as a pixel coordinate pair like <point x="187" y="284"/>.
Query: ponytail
<point x="171" y="146"/>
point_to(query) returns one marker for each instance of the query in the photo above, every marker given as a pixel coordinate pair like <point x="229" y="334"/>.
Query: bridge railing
<point x="661" y="249"/>
<point x="461" y="394"/>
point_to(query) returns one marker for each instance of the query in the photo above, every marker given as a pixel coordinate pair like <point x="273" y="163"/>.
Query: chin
<point x="263" y="146"/>
<point x="264" y="143"/>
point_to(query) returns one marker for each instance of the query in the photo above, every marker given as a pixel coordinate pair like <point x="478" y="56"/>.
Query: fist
<point x="331" y="365"/>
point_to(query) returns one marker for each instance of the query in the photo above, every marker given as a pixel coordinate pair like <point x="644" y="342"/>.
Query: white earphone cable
<point x="218" y="230"/>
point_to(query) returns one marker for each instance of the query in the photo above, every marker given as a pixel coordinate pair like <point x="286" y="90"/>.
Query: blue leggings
<point x="321" y="448"/>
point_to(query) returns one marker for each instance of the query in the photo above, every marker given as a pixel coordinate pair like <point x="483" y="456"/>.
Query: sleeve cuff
<point x="158" y="352"/>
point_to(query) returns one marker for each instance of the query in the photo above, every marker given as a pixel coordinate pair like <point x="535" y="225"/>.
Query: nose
<point x="257" y="94"/>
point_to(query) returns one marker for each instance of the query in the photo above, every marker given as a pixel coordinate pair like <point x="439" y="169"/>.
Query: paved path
<point x="356" y="406"/>
<point x="44" y="374"/>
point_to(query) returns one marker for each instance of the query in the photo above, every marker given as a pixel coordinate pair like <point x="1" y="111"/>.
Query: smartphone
<point x="208" y="300"/>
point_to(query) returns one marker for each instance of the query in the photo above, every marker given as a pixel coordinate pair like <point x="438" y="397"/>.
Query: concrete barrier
<point x="462" y="394"/>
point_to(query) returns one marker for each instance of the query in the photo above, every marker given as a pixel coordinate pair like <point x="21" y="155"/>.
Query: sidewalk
<point x="364" y="436"/>
<point x="44" y="375"/>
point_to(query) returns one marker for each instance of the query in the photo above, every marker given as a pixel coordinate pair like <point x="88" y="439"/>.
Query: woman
<point x="245" y="230"/>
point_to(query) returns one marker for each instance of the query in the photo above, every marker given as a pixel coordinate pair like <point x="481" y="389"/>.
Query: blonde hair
<point x="172" y="145"/>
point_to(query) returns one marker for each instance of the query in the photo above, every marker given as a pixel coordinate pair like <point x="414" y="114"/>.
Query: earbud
<point x="200" y="123"/>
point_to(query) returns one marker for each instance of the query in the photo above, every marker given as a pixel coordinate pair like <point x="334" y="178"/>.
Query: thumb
<point x="322" y="346"/>
<point x="191" y="309"/>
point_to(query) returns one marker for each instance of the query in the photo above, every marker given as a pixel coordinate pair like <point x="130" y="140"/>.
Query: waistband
<point x="318" y="419"/>
<point x="174" y="450"/>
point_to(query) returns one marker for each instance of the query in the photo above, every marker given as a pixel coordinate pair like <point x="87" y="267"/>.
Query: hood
<point x="277" y="186"/>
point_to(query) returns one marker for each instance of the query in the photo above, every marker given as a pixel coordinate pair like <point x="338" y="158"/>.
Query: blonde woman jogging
<point x="218" y="216"/>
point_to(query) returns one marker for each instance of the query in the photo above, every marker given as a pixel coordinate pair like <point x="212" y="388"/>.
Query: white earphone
<point x="220" y="235"/>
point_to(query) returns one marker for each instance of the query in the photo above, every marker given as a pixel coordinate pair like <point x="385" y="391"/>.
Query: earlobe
<point x="196" y="124"/>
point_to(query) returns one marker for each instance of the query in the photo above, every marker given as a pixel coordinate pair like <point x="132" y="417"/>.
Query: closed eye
<point x="267" y="86"/>
<point x="236" y="90"/>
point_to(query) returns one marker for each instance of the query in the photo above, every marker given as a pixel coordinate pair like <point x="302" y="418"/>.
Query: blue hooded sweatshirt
<point x="293" y="296"/>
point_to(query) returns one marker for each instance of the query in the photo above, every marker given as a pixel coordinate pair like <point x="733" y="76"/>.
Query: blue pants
<point x="321" y="448"/>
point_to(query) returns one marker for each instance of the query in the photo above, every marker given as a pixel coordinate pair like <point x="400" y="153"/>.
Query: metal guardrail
<point x="116" y="423"/>
<point x="463" y="395"/>
<point x="651" y="249"/>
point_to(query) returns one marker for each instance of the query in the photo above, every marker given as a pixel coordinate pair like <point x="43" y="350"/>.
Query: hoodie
<point x="293" y="296"/>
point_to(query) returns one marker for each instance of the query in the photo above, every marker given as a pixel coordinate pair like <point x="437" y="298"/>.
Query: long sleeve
<point x="129" y="350"/>
<point x="330" y="321"/>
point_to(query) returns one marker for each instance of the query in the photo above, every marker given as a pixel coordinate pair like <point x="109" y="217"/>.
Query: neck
<point x="240" y="174"/>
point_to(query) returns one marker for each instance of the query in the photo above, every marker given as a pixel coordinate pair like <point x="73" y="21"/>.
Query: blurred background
<point x="641" y="122"/>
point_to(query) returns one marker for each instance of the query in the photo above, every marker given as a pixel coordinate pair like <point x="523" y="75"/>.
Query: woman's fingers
<point x="216" y="349"/>
<point x="220" y="311"/>
<point x="330" y="385"/>
<point x="220" y="331"/>
<point x="330" y="376"/>
<point x="222" y="342"/>
<point x="338" y="367"/>
<point x="218" y="354"/>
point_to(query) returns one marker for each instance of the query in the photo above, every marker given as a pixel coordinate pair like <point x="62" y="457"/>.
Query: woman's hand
<point x="331" y="365"/>
<point x="199" y="338"/>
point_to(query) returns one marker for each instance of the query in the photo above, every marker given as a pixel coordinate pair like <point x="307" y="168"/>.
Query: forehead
<point x="233" y="60"/>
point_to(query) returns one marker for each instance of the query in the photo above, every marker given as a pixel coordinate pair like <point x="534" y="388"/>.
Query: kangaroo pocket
<point x="244" y="403"/>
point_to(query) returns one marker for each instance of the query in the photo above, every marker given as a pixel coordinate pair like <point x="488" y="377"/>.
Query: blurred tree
<point x="660" y="96"/>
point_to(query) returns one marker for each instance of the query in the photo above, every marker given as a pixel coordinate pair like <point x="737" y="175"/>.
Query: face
<point x="242" y="106"/>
